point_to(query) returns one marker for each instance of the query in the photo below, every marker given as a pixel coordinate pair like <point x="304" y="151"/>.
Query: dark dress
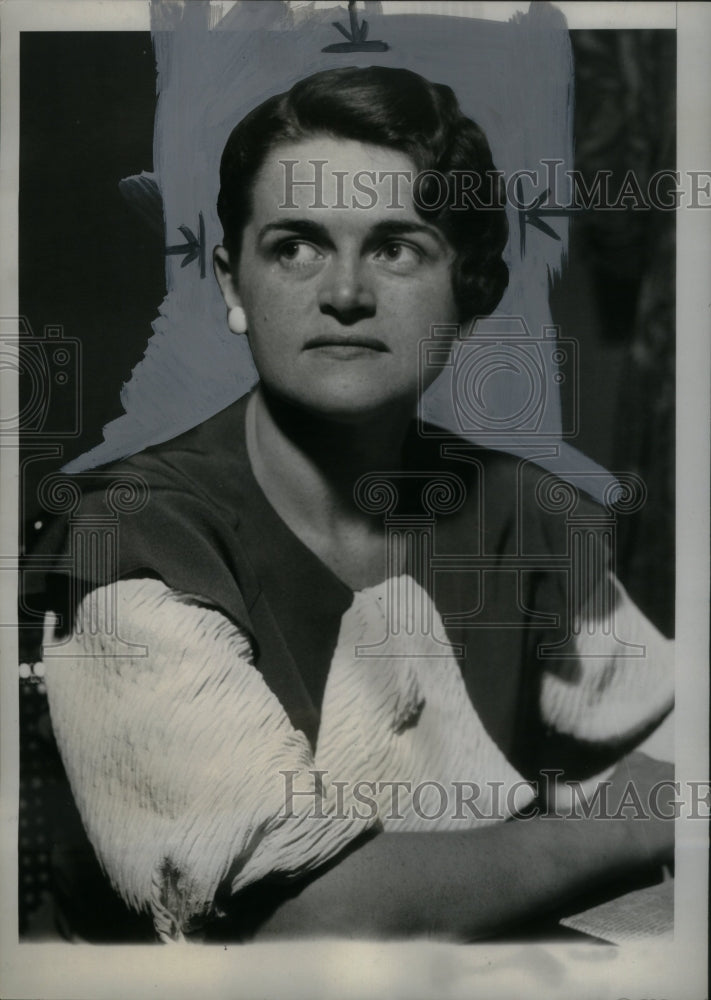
<point x="495" y="551"/>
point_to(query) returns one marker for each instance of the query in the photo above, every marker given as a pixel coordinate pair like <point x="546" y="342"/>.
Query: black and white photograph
<point x="355" y="457"/>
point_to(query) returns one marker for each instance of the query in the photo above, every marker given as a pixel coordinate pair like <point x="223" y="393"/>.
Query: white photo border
<point x="347" y="969"/>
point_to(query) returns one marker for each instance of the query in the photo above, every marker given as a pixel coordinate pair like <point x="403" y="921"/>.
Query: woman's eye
<point x="294" y="253"/>
<point x="400" y="255"/>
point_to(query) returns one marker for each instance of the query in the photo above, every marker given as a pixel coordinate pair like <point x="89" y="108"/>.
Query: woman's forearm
<point x="465" y="885"/>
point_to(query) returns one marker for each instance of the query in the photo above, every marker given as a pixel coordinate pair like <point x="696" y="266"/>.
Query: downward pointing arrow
<point x="356" y="36"/>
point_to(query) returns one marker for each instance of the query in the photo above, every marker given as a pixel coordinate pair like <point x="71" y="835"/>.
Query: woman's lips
<point x="346" y="347"/>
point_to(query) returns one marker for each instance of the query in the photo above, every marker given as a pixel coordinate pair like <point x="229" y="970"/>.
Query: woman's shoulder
<point x="503" y="480"/>
<point x="193" y="457"/>
<point x="167" y="512"/>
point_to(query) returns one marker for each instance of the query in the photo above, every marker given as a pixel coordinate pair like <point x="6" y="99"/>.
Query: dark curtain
<point x="625" y="118"/>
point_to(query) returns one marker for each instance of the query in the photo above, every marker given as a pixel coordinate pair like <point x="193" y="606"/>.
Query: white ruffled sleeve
<point x="618" y="683"/>
<point x="174" y="752"/>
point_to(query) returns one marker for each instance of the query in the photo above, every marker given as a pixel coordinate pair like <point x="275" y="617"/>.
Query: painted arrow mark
<point x="194" y="248"/>
<point x="532" y="215"/>
<point x="356" y="36"/>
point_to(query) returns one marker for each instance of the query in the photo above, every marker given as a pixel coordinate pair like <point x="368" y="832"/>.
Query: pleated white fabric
<point x="174" y="756"/>
<point x="398" y="711"/>
<point x="619" y="680"/>
<point x="180" y="757"/>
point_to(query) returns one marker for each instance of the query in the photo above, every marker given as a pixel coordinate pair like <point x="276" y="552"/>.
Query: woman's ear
<point x="223" y="272"/>
<point x="236" y="318"/>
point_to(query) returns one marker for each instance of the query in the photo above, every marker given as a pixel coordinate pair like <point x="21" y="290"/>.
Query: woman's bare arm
<point x="472" y="884"/>
<point x="205" y="737"/>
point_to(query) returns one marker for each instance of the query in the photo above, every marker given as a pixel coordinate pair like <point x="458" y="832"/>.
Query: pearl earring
<point x="237" y="320"/>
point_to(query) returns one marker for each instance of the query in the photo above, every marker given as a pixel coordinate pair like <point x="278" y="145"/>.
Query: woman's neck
<point x="308" y="467"/>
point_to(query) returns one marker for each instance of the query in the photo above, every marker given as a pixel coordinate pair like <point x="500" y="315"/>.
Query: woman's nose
<point x="345" y="291"/>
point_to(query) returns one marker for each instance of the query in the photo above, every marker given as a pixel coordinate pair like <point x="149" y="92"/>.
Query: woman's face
<point x="339" y="285"/>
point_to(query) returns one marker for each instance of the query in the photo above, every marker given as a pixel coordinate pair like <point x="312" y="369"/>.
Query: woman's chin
<point x="349" y="405"/>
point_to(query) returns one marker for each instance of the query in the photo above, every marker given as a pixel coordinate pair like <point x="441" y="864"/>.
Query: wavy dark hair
<point x="399" y="109"/>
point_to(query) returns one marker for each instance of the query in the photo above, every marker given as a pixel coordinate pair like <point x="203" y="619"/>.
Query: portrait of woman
<point x="342" y="676"/>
